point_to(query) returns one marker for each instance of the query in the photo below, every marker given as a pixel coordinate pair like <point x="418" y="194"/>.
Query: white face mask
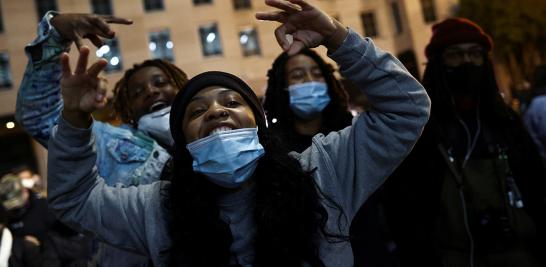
<point x="156" y="124"/>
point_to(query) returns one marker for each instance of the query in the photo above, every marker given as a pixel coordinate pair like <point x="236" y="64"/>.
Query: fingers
<point x="78" y="41"/>
<point x="295" y="48"/>
<point x="117" y="20"/>
<point x="65" y="65"/>
<point x="97" y="67"/>
<point x="81" y="66"/>
<point x="287" y="6"/>
<point x="280" y="35"/>
<point x="279" y="16"/>
<point x="95" y="40"/>
<point x="103" y="28"/>
<point x="302" y="3"/>
<point x="101" y="90"/>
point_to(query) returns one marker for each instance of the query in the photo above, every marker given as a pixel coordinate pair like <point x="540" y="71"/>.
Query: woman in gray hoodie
<point x="237" y="198"/>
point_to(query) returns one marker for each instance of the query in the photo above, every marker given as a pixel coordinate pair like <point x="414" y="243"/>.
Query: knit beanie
<point x="202" y="81"/>
<point x="456" y="31"/>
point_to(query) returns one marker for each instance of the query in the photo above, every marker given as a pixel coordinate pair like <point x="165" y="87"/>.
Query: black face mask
<point x="465" y="80"/>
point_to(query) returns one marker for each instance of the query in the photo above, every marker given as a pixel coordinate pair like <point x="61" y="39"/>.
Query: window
<point x="5" y="73"/>
<point x="429" y="10"/>
<point x="396" y="17"/>
<point x="103" y="7"/>
<point x="241" y="4"/>
<point x="153" y="5"/>
<point x="368" y="21"/>
<point x="42" y="6"/>
<point x="249" y="42"/>
<point x="1" y="20"/>
<point x="202" y="2"/>
<point x="110" y="52"/>
<point x="210" y="40"/>
<point x="161" y="46"/>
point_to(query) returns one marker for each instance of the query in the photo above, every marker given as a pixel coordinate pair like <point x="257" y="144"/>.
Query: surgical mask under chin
<point x="229" y="158"/>
<point x="308" y="99"/>
<point x="156" y="124"/>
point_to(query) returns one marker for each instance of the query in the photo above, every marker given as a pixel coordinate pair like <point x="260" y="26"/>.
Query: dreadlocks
<point x="121" y="90"/>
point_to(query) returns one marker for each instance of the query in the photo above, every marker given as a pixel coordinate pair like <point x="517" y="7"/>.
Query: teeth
<point x="220" y="129"/>
<point x="157" y="106"/>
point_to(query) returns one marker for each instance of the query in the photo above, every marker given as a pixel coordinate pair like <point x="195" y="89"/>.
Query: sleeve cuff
<point x="72" y="136"/>
<point x="345" y="54"/>
<point x="46" y="32"/>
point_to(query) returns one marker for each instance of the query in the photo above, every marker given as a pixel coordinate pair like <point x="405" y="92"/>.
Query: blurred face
<point x="301" y="69"/>
<point x="149" y="89"/>
<point x="216" y="109"/>
<point x="456" y="55"/>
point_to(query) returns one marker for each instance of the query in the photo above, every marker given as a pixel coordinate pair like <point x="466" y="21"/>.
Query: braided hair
<point x="121" y="90"/>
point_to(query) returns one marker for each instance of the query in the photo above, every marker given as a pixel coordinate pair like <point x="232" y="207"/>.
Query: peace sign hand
<point x="83" y="91"/>
<point x="75" y="26"/>
<point x="309" y="26"/>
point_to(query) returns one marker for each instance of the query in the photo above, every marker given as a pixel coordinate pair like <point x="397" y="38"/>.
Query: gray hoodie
<point x="349" y="166"/>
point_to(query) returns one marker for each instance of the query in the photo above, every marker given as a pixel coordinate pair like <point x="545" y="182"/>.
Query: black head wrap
<point x="208" y="79"/>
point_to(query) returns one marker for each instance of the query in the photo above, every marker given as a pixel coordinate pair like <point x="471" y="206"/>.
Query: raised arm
<point x="352" y="163"/>
<point x="39" y="100"/>
<point x="131" y="218"/>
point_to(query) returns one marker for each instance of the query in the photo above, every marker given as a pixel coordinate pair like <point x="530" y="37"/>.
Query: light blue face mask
<point x="228" y="158"/>
<point x="308" y="99"/>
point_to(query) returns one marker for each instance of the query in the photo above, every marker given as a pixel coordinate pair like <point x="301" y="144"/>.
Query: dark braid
<point x="121" y="90"/>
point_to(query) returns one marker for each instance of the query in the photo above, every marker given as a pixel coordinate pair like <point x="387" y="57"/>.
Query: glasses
<point x="458" y="56"/>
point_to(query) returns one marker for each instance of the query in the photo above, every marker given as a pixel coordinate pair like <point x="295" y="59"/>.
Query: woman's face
<point x="301" y="69"/>
<point x="149" y="89"/>
<point x="216" y="109"/>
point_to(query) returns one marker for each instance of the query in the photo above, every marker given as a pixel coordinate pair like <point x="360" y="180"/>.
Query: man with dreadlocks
<point x="472" y="192"/>
<point x="132" y="154"/>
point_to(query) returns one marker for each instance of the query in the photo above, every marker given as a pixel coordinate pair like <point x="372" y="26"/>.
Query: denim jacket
<point x="347" y="166"/>
<point x="125" y="156"/>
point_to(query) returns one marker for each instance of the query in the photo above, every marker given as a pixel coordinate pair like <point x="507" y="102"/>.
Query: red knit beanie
<point x="456" y="31"/>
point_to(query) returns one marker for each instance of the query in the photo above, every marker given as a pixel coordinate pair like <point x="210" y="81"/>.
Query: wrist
<point x="77" y="118"/>
<point x="336" y="38"/>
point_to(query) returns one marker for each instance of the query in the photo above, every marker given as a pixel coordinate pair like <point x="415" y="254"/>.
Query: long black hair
<point x="277" y="104"/>
<point x="287" y="214"/>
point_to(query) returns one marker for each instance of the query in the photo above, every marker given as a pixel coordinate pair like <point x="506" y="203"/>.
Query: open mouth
<point x="220" y="129"/>
<point x="157" y="106"/>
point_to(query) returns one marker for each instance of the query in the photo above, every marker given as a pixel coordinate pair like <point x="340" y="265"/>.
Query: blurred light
<point x="169" y="45"/>
<point x="103" y="50"/>
<point x="244" y="39"/>
<point x="274" y="120"/>
<point x="210" y="37"/>
<point x="114" y="61"/>
<point x="10" y="125"/>
<point x="152" y="46"/>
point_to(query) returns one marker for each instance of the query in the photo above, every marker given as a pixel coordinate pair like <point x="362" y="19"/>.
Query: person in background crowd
<point x="472" y="192"/>
<point x="134" y="153"/>
<point x="29" y="216"/>
<point x="535" y="116"/>
<point x="238" y="197"/>
<point x="303" y="98"/>
<point x="16" y="251"/>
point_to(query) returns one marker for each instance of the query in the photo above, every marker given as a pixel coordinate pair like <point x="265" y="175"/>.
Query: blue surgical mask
<point x="156" y="124"/>
<point x="308" y="99"/>
<point x="228" y="158"/>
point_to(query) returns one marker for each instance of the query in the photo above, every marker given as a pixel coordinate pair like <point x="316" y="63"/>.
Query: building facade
<point x="201" y="35"/>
